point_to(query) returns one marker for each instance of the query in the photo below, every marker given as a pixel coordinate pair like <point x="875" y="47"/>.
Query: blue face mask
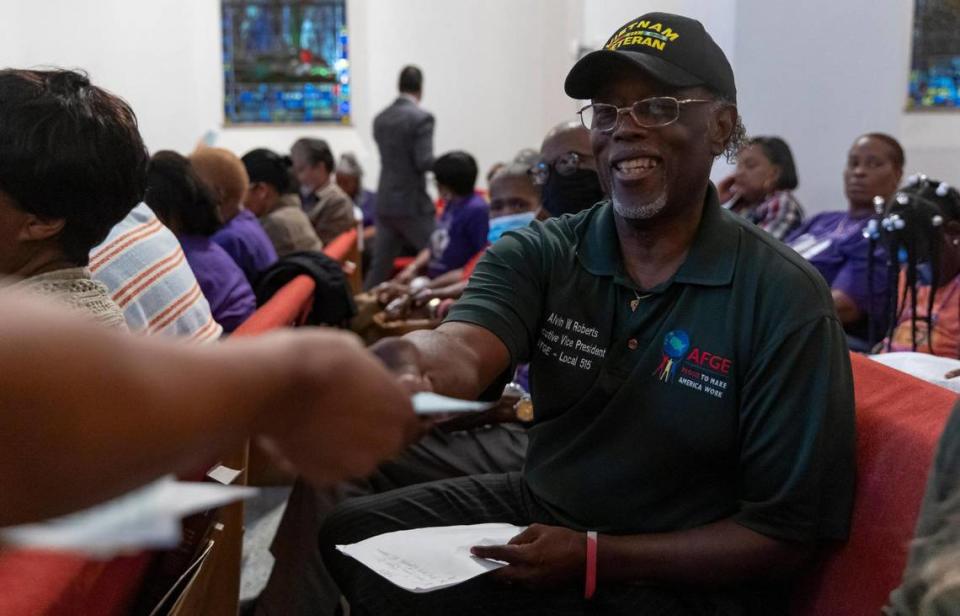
<point x="499" y="226"/>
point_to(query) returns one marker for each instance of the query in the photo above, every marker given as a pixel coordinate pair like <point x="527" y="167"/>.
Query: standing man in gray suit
<point x="405" y="213"/>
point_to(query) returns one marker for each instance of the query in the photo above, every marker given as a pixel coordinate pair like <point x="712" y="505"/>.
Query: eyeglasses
<point x="648" y="113"/>
<point x="565" y="165"/>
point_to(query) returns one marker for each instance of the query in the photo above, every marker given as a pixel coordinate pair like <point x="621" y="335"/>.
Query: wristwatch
<point x="523" y="407"/>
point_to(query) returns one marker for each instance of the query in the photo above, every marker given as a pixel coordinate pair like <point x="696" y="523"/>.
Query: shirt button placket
<point x="632" y="344"/>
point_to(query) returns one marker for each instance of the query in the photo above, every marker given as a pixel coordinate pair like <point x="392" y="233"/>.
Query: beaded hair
<point x="910" y="228"/>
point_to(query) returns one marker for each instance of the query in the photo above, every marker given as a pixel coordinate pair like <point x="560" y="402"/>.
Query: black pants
<point x="393" y="233"/>
<point x="475" y="500"/>
<point x="299" y="585"/>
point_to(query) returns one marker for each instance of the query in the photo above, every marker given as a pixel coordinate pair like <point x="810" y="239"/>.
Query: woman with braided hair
<point x="921" y="231"/>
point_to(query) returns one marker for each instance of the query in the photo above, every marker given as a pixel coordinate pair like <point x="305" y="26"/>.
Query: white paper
<point x="146" y="518"/>
<point x="930" y="368"/>
<point x="426" y="559"/>
<point x="224" y="474"/>
<point x="428" y="403"/>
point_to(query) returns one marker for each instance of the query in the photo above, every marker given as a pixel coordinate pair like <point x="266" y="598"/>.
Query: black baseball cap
<point x="267" y="166"/>
<point x="674" y="49"/>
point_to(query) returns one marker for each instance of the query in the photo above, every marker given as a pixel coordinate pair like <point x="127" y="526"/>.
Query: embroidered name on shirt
<point x="570" y="342"/>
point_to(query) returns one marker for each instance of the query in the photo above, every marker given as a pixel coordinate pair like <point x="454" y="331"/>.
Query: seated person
<point x="564" y="168"/>
<point x="241" y="236"/>
<point x="922" y="226"/>
<point x="274" y="200"/>
<point x="299" y="583"/>
<point x="462" y="229"/>
<point x="833" y="242"/>
<point x="349" y="176"/>
<point x="514" y="200"/>
<point x="563" y="173"/>
<point x="328" y="207"/>
<point x="930" y="584"/>
<point x="461" y="233"/>
<point x="675" y="466"/>
<point x="760" y="188"/>
<point x="64" y="183"/>
<point x="492" y="171"/>
<point x="567" y="171"/>
<point x="144" y="269"/>
<point x="185" y="204"/>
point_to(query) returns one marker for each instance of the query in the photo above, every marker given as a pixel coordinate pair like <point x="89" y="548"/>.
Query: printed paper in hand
<point x="429" y="403"/>
<point x="426" y="559"/>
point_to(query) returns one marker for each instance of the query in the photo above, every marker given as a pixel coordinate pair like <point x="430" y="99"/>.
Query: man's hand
<point x="386" y="292"/>
<point x="402" y="358"/>
<point x="405" y="276"/>
<point x="504" y="412"/>
<point x="540" y="557"/>
<point x="339" y="414"/>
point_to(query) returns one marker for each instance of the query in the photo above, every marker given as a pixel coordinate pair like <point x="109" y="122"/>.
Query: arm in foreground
<point x="455" y="359"/>
<point x="87" y="414"/>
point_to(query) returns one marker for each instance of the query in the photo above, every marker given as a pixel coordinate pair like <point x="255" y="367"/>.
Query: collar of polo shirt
<point x="710" y="262"/>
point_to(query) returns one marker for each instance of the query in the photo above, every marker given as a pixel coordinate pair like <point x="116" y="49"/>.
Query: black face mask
<point x="569" y="194"/>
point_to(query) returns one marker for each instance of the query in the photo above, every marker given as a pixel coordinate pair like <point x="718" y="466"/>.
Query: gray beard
<point x="639" y="212"/>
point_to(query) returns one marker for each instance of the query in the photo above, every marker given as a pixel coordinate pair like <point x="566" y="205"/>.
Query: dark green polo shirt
<point x="726" y="392"/>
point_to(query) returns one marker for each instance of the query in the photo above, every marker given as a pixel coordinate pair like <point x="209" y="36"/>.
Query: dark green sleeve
<point x="505" y="294"/>
<point x="797" y="440"/>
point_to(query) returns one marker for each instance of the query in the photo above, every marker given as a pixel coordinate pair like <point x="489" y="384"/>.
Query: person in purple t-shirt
<point x="462" y="228"/>
<point x="834" y="243"/>
<point x="183" y="202"/>
<point x="241" y="235"/>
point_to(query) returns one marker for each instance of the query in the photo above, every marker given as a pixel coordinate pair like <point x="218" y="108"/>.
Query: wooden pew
<point x="217" y="589"/>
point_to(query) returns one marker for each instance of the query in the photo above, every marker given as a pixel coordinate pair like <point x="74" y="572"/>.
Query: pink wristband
<point x="590" y="586"/>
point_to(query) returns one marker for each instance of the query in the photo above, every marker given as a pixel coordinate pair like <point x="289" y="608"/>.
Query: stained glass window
<point x="935" y="64"/>
<point x="285" y="61"/>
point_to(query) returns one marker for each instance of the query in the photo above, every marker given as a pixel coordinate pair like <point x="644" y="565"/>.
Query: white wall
<point x="817" y="72"/>
<point x="492" y="67"/>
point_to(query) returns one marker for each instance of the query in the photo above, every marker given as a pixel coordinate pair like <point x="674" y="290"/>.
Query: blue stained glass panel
<point x="285" y="61"/>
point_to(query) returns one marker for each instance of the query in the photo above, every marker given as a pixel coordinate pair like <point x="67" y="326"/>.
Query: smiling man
<point x="693" y="437"/>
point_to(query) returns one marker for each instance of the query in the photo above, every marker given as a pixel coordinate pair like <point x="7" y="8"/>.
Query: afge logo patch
<point x="692" y="367"/>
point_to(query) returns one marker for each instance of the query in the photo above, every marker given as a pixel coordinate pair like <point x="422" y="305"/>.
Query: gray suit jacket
<point x="404" y="134"/>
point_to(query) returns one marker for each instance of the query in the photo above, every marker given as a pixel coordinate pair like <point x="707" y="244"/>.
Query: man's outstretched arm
<point x="455" y="359"/>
